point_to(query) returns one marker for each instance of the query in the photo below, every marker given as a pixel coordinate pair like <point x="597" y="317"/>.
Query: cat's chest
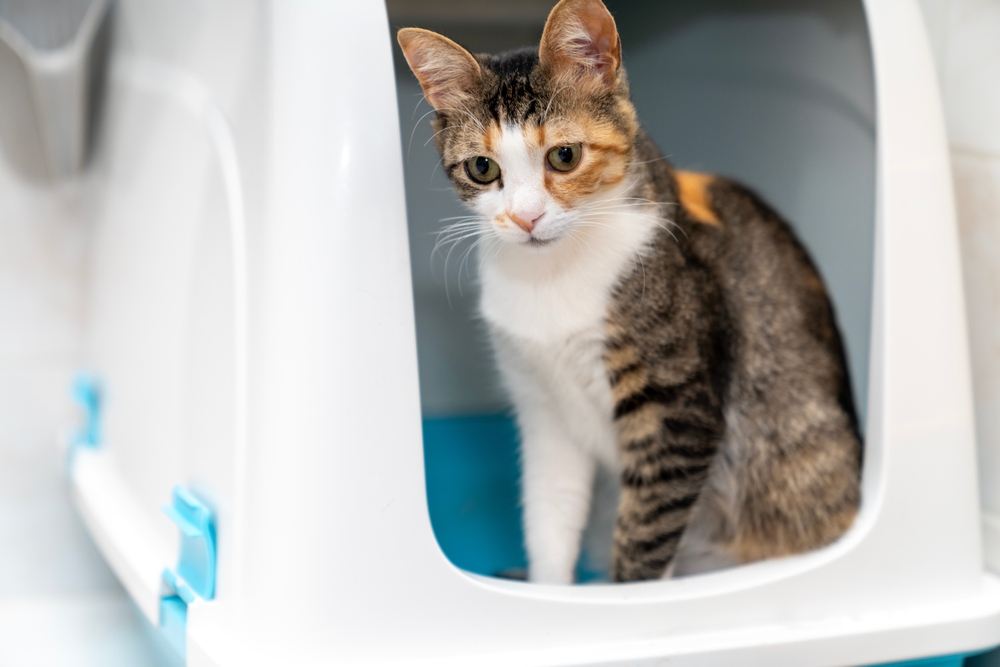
<point x="546" y="312"/>
<point x="551" y="311"/>
<point x="549" y="297"/>
<point x="555" y="337"/>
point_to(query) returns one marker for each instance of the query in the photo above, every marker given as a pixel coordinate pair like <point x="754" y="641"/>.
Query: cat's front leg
<point x="557" y="479"/>
<point x="669" y="435"/>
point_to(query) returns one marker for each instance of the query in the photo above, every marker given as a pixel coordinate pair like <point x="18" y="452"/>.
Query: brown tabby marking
<point x="743" y="421"/>
<point x="617" y="360"/>
<point x="693" y="192"/>
<point x="640" y="425"/>
<point x="491" y="139"/>
<point x="628" y="382"/>
<point x="790" y="525"/>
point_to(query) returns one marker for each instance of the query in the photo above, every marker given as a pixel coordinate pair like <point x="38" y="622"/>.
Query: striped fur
<point x="732" y="401"/>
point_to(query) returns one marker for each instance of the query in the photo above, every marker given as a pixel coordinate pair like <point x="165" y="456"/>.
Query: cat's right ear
<point x="445" y="70"/>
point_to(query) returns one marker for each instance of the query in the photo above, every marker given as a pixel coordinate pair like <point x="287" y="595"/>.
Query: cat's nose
<point x="525" y="221"/>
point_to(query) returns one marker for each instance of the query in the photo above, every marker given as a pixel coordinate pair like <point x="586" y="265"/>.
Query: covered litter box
<point x="254" y="326"/>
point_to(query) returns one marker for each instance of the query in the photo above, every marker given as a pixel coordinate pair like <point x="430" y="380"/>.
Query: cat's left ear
<point x="580" y="40"/>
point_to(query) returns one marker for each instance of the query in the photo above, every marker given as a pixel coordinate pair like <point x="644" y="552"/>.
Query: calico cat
<point x="662" y="324"/>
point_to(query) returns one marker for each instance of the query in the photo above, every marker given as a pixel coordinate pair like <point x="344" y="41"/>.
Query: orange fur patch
<point x="534" y="136"/>
<point x="492" y="138"/>
<point x="604" y="162"/>
<point x="692" y="188"/>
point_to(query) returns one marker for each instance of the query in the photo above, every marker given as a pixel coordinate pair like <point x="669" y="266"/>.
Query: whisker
<point x="469" y="114"/>
<point x="494" y="242"/>
<point x="409" y="144"/>
<point x="465" y="259"/>
<point x="446" y="127"/>
<point x="545" y="114"/>
<point x="417" y="106"/>
<point x="658" y="159"/>
<point x="461" y="217"/>
<point x="434" y="170"/>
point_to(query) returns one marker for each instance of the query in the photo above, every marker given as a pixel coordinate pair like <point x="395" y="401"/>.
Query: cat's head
<point x="537" y="140"/>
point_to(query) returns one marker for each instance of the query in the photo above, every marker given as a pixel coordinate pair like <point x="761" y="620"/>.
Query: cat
<point x="661" y="324"/>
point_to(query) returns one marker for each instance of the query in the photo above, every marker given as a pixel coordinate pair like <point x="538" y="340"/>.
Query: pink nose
<point x="525" y="221"/>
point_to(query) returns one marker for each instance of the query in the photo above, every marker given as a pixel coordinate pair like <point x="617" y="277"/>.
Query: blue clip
<point x="195" y="573"/>
<point x="87" y="392"/>
<point x="173" y="623"/>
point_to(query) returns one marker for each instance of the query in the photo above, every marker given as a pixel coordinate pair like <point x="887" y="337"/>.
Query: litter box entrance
<point x="775" y="93"/>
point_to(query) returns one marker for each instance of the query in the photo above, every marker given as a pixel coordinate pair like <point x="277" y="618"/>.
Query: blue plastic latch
<point x="195" y="572"/>
<point x="173" y="623"/>
<point x="194" y="576"/>
<point x="87" y="392"/>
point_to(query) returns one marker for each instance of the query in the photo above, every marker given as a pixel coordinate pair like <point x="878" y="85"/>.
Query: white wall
<point x="965" y="35"/>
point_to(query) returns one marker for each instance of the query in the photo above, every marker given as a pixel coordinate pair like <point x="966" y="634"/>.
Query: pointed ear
<point x="445" y="70"/>
<point x="580" y="40"/>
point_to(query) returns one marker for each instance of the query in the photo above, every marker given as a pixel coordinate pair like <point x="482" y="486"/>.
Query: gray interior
<point x="775" y="93"/>
<point x="53" y="56"/>
<point x="45" y="24"/>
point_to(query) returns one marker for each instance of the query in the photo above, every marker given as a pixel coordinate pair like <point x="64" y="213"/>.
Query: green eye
<point x="565" y="158"/>
<point x="482" y="169"/>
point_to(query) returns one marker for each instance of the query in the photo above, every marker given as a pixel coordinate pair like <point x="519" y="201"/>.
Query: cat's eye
<point x="482" y="169"/>
<point x="565" y="158"/>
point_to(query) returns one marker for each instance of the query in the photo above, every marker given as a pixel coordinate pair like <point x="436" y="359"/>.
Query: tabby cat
<point x="662" y="324"/>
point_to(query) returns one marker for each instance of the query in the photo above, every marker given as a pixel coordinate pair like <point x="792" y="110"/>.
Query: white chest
<point x="550" y="308"/>
<point x="547" y="295"/>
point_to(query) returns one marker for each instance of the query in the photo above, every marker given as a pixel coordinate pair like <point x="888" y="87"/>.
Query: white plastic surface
<point x="251" y="312"/>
